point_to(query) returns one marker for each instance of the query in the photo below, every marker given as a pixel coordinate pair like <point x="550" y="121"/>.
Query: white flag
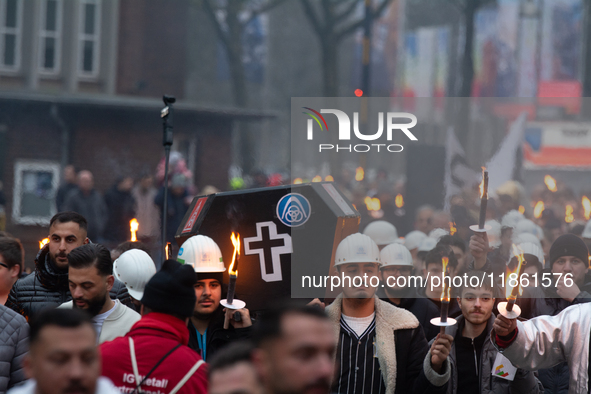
<point x="501" y="165"/>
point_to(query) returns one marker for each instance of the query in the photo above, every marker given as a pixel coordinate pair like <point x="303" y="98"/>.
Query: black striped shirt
<point x="357" y="362"/>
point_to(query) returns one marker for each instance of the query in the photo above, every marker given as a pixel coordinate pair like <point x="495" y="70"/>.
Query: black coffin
<point x="286" y="232"/>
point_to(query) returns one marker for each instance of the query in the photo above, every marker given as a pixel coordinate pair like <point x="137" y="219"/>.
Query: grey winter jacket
<point x="525" y="382"/>
<point x="47" y="287"/>
<point x="14" y="336"/>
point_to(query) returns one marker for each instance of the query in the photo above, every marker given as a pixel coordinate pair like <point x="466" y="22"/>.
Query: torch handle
<point x="483" y="202"/>
<point x="444" y="311"/>
<point x="231" y="289"/>
<point x="510" y="304"/>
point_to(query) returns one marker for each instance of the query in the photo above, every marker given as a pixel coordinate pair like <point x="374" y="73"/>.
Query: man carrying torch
<point x="476" y="366"/>
<point x="381" y="348"/>
<point x="206" y="326"/>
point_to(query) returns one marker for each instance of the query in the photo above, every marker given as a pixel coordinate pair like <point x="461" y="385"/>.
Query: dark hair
<point x="482" y="284"/>
<point x="91" y="254"/>
<point x="128" y="245"/>
<point x="5" y="234"/>
<point x="268" y="326"/>
<point x="11" y="251"/>
<point x="234" y="353"/>
<point x="69" y="216"/>
<point x="452" y="240"/>
<point x="60" y="317"/>
<point x="440" y="251"/>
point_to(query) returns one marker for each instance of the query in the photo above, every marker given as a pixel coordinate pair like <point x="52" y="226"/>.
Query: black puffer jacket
<point x="217" y="337"/>
<point x="48" y="286"/>
<point x="14" y="333"/>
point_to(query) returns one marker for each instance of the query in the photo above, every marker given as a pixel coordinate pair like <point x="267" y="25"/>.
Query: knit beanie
<point x="171" y="290"/>
<point x="568" y="245"/>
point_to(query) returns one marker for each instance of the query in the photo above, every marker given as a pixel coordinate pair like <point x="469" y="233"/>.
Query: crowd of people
<point x="109" y="214"/>
<point x="99" y="317"/>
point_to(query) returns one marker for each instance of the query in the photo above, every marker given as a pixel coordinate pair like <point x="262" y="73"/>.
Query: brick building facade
<point x="80" y="83"/>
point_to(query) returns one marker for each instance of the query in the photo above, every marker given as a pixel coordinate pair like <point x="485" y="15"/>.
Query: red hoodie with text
<point x="154" y="336"/>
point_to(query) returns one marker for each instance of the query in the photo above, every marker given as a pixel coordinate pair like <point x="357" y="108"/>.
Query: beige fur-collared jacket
<point x="403" y="351"/>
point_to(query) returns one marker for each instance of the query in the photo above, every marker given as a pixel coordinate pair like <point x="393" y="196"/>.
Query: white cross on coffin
<point x="276" y="251"/>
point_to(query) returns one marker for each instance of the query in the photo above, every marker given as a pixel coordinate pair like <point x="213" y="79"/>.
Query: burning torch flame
<point x="521" y="209"/>
<point x="329" y="178"/>
<point x="43" y="242"/>
<point x="509" y="293"/>
<point x="372" y="204"/>
<point x="538" y="209"/>
<point x="167" y="249"/>
<point x="569" y="217"/>
<point x="550" y="183"/>
<point x="587" y="207"/>
<point x="298" y="181"/>
<point x="445" y="292"/>
<point x="359" y="174"/>
<point x="481" y="186"/>
<point x="236" y="242"/>
<point x="452" y="228"/>
<point x="133" y="227"/>
<point x="399" y="201"/>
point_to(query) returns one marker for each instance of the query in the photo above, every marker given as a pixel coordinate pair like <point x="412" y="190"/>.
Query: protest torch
<point x="481" y="227"/>
<point x="444" y="321"/>
<point x="133" y="227"/>
<point x="230" y="302"/>
<point x="166" y="115"/>
<point x="509" y="309"/>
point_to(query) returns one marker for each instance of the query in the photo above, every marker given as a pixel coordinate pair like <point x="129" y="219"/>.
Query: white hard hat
<point x="511" y="218"/>
<point x="587" y="230"/>
<point x="437" y="233"/>
<point x="202" y="253"/>
<point x="533" y="249"/>
<point x="134" y="268"/>
<point x="414" y="239"/>
<point x="527" y="226"/>
<point x="395" y="254"/>
<point x="382" y="232"/>
<point x="526" y="237"/>
<point x="494" y="233"/>
<point x="357" y="248"/>
<point x="427" y="244"/>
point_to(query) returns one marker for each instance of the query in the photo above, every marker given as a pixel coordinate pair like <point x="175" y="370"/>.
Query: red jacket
<point x="154" y="336"/>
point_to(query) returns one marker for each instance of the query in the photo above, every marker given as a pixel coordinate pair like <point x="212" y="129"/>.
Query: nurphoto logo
<point x="391" y="119"/>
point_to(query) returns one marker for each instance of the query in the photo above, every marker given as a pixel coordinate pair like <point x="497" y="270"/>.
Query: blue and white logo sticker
<point x="181" y="250"/>
<point x="293" y="210"/>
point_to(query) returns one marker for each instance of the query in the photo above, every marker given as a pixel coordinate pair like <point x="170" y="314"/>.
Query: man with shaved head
<point x="89" y="203"/>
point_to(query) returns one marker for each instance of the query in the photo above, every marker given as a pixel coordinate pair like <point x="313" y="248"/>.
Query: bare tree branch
<point x="311" y="14"/>
<point x="218" y="26"/>
<point x="263" y="9"/>
<point x="347" y="12"/>
<point x="358" y="23"/>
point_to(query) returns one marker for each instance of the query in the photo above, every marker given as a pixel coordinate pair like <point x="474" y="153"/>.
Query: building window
<point x="11" y="23"/>
<point x="35" y="188"/>
<point x="89" y="35"/>
<point x="50" y="42"/>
